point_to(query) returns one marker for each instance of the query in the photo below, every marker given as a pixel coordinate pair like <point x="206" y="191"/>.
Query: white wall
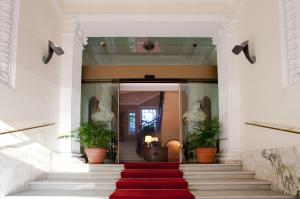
<point x="273" y="155"/>
<point x="34" y="100"/>
<point x="263" y="97"/>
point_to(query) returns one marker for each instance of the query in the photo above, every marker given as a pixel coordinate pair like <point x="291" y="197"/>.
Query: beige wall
<point x="272" y="154"/>
<point x="170" y="119"/>
<point x="263" y="97"/>
<point x="35" y="98"/>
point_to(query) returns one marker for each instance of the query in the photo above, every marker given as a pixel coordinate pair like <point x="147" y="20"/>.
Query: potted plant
<point x="204" y="140"/>
<point x="96" y="138"/>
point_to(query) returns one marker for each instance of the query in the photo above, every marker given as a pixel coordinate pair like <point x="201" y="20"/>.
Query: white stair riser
<point x="105" y="169"/>
<point x="78" y="187"/>
<point x="211" y="168"/>
<point x="242" y="197"/>
<point x="204" y="176"/>
<point x="84" y="176"/>
<point x="204" y="187"/>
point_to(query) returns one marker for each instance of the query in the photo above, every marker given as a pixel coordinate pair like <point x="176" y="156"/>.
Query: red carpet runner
<point x="152" y="181"/>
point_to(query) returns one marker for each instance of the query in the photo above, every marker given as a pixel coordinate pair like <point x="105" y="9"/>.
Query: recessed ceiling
<point x="166" y="51"/>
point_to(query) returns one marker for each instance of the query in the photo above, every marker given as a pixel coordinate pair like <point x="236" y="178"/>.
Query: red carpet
<point x="151" y="181"/>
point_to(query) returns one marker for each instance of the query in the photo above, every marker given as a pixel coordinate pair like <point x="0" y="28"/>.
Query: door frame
<point x="221" y="27"/>
<point x="178" y="81"/>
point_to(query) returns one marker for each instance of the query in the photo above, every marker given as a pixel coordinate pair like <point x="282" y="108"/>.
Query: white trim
<point x="58" y="8"/>
<point x="12" y="31"/>
<point x="146" y="25"/>
<point x="289" y="11"/>
<point x="150" y="17"/>
<point x="72" y="26"/>
<point x="239" y="9"/>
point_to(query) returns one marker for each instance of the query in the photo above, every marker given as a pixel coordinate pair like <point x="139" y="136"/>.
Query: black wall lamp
<point x="52" y="48"/>
<point x="245" y="48"/>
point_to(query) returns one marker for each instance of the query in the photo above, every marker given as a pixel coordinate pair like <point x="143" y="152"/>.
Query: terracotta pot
<point x="206" y="155"/>
<point x="95" y="155"/>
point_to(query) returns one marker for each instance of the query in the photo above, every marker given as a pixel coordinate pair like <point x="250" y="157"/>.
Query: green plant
<point x="148" y="129"/>
<point x="93" y="135"/>
<point x="205" y="134"/>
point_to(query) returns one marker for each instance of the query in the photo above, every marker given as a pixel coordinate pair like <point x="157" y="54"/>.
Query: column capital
<point x="72" y="25"/>
<point x="228" y="26"/>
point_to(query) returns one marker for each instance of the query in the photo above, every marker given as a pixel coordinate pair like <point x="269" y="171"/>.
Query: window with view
<point x="149" y="116"/>
<point x="131" y="123"/>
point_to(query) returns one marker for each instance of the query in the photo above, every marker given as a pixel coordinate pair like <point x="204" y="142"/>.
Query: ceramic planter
<point x="95" y="155"/>
<point x="206" y="155"/>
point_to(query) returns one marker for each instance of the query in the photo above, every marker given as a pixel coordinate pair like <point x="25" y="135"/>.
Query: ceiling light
<point x="149" y="45"/>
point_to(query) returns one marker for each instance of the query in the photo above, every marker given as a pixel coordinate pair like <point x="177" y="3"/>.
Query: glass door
<point x="100" y="102"/>
<point x="198" y="102"/>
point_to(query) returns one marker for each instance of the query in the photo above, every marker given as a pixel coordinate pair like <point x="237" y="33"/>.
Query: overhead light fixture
<point x="52" y="48"/>
<point x="149" y="45"/>
<point x="103" y="44"/>
<point x="245" y="48"/>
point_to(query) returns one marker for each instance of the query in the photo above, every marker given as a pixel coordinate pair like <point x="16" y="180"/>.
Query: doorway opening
<point x="115" y="78"/>
<point x="149" y="119"/>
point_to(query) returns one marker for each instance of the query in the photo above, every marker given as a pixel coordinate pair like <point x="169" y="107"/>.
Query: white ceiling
<point x="86" y="7"/>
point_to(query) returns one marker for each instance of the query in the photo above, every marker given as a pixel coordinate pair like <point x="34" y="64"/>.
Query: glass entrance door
<point x="199" y="101"/>
<point x="100" y="102"/>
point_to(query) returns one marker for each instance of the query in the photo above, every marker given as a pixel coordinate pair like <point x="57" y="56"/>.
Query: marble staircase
<point x="216" y="181"/>
<point x="128" y="152"/>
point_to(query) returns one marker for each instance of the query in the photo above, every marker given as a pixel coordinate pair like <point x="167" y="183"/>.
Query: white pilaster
<point x="71" y="67"/>
<point x="9" y="10"/>
<point x="225" y="39"/>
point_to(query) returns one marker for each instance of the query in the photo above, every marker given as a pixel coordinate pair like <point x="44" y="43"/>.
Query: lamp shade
<point x="148" y="138"/>
<point x="154" y="139"/>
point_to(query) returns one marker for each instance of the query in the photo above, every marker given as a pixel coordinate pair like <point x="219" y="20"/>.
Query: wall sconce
<point x="148" y="140"/>
<point x="245" y="48"/>
<point x="52" y="48"/>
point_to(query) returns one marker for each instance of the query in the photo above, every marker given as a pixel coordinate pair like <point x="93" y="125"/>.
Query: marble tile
<point x="281" y="166"/>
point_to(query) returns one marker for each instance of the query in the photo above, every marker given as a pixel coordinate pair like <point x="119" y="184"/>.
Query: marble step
<point x="228" y="184"/>
<point x="203" y="175"/>
<point x="69" y="184"/>
<point x="87" y="175"/>
<point x="106" y="167"/>
<point x="240" y="194"/>
<point x="60" y="194"/>
<point x="69" y="194"/>
<point x="210" y="167"/>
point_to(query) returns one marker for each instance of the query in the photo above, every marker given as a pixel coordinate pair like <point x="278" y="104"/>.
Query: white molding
<point x="290" y="40"/>
<point x="225" y="39"/>
<point x="58" y="8"/>
<point x="72" y="26"/>
<point x="8" y="49"/>
<point x="240" y="8"/>
<point x="146" y="25"/>
<point x="134" y="17"/>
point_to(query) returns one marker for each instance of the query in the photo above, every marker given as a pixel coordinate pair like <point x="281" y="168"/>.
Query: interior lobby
<point x="149" y="77"/>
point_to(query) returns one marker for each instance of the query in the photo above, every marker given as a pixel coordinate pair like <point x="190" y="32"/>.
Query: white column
<point x="225" y="40"/>
<point x="71" y="68"/>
